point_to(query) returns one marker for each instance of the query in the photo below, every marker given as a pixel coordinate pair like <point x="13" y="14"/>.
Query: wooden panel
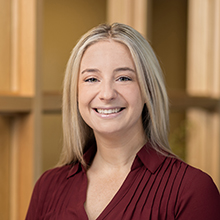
<point x="177" y="134"/>
<point x="51" y="140"/>
<point x="140" y="21"/>
<point x="5" y="44"/>
<point x="4" y="165"/>
<point x="204" y="47"/>
<point x="25" y="83"/>
<point x="169" y="34"/>
<point x="181" y="101"/>
<point x="22" y="165"/>
<point x="197" y="47"/>
<point x="130" y="12"/>
<point x="168" y="38"/>
<point x="64" y="22"/>
<point x="24" y="162"/>
<point x="52" y="102"/>
<point x="116" y="12"/>
<point x="216" y="52"/>
<point x="197" y="138"/>
<point x="203" y="142"/>
<point x="23" y="46"/>
<point x="204" y="79"/>
<point x="15" y="104"/>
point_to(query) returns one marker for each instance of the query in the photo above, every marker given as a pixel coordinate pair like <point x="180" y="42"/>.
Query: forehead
<point x="107" y="49"/>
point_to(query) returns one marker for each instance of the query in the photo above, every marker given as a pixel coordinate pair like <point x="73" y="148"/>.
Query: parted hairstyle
<point x="77" y="135"/>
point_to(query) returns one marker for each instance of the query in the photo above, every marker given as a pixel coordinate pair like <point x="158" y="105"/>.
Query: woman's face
<point x="109" y="96"/>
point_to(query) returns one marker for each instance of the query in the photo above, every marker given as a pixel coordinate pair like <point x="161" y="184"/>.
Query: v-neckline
<point x="123" y="189"/>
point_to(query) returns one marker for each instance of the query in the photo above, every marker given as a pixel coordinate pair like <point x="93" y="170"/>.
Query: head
<point x="155" y="115"/>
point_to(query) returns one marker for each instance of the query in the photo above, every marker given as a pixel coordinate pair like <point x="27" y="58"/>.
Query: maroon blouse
<point x="156" y="188"/>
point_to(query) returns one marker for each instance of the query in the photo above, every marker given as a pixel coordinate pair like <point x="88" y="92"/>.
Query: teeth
<point x="108" y="111"/>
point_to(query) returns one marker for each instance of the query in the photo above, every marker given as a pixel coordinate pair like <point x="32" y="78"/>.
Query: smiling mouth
<point x="108" y="111"/>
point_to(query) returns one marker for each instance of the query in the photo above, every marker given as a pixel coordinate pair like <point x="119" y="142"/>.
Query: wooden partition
<point x="20" y="106"/>
<point x="203" y="74"/>
<point x="133" y="13"/>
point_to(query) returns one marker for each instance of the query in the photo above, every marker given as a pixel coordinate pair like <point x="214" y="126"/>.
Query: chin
<point x="107" y="132"/>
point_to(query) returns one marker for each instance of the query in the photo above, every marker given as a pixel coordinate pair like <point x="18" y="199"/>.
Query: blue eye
<point x="124" y="78"/>
<point x="91" y="80"/>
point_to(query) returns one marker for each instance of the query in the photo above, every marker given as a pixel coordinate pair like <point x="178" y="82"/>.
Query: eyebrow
<point x="93" y="70"/>
<point x="124" y="69"/>
<point x="90" y="70"/>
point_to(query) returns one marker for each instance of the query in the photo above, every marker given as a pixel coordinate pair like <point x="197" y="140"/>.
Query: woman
<point x="116" y="161"/>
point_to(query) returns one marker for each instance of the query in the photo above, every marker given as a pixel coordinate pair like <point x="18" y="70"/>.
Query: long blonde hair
<point x="76" y="133"/>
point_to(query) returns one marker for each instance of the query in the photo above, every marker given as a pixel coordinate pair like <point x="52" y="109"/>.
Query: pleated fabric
<point x="157" y="188"/>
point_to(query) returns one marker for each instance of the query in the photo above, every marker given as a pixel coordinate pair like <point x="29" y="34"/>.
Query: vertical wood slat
<point x="203" y="47"/>
<point x="15" y="19"/>
<point x="5" y="25"/>
<point x="120" y="11"/>
<point x="197" y="47"/>
<point x="140" y="16"/>
<point x="203" y="70"/>
<point x="216" y="53"/>
<point x="23" y="46"/>
<point x="26" y="145"/>
<point x="130" y="12"/>
<point x="4" y="164"/>
<point x="22" y="166"/>
<point x="25" y="80"/>
<point x="14" y="171"/>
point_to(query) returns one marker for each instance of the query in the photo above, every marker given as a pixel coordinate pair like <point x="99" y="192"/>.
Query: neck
<point x="117" y="152"/>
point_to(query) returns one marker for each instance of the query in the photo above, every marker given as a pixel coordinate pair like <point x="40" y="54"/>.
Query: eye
<point x="123" y="78"/>
<point x="91" y="80"/>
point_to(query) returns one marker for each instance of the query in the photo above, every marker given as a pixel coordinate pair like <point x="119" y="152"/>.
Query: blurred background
<point x="37" y="37"/>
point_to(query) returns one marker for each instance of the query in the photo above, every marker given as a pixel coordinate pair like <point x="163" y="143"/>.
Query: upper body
<point x="156" y="187"/>
<point x="114" y="98"/>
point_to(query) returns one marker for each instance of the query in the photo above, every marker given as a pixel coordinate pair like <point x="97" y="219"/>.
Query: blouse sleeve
<point x="38" y="196"/>
<point x="32" y="213"/>
<point x="199" y="197"/>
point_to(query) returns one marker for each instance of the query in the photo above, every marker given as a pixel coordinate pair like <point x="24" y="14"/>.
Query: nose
<point x="107" y="91"/>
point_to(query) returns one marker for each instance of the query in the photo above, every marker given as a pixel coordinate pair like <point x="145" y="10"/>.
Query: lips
<point x="108" y="111"/>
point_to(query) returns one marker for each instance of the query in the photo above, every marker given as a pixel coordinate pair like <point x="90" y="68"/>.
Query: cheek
<point x="135" y="98"/>
<point x="81" y="100"/>
<point x="85" y="97"/>
<point x="82" y="94"/>
<point x="82" y="108"/>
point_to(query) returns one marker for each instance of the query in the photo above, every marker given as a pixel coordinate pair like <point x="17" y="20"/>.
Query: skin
<point x="110" y="102"/>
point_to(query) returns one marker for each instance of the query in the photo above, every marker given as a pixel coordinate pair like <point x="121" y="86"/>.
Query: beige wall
<point x="63" y="24"/>
<point x="169" y="34"/>
<point x="168" y="38"/>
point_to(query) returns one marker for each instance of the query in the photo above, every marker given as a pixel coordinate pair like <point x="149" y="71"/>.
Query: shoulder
<point x="53" y="177"/>
<point x="62" y="172"/>
<point x="198" y="196"/>
<point x="50" y="181"/>
<point x="44" y="190"/>
<point x="190" y="176"/>
<point x="199" y="182"/>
